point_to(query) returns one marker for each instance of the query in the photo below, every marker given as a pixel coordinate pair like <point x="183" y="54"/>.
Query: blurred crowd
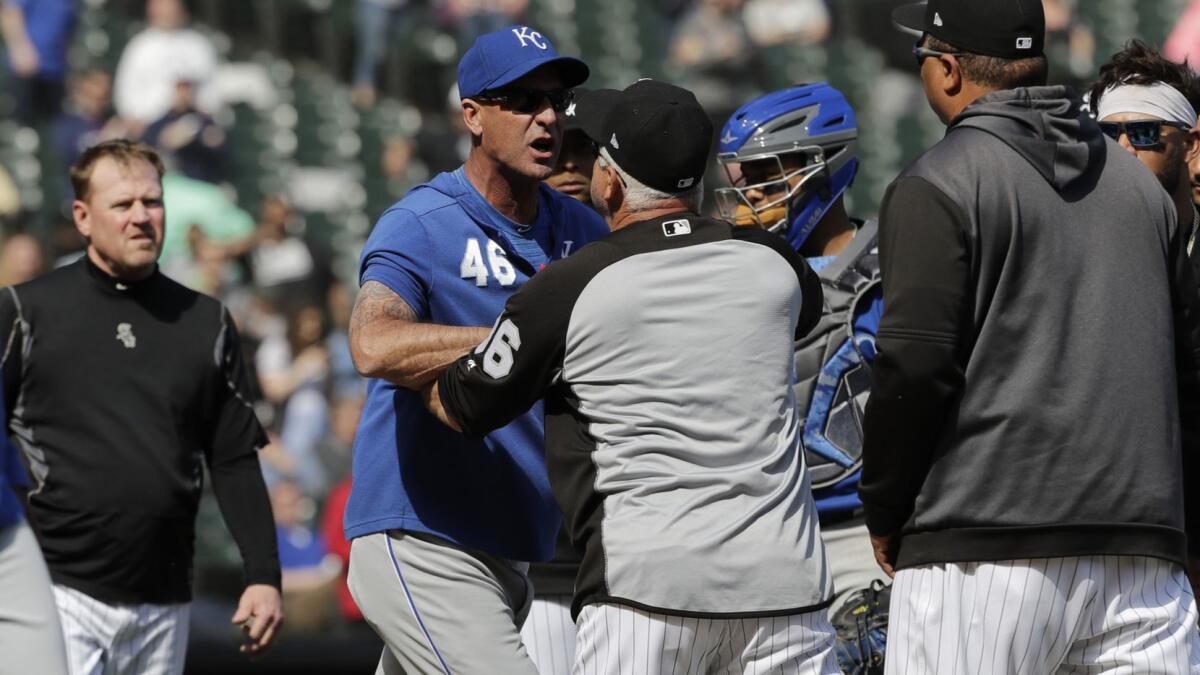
<point x="290" y="299"/>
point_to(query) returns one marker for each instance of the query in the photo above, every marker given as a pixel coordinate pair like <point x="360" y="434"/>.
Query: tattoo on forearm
<point x="378" y="301"/>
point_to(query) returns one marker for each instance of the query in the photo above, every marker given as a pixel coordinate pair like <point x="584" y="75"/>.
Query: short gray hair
<point x="641" y="197"/>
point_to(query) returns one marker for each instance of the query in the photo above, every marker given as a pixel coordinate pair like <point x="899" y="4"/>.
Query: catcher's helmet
<point x="814" y="120"/>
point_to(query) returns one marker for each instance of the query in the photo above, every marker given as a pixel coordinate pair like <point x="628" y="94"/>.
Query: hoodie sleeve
<point x="917" y="370"/>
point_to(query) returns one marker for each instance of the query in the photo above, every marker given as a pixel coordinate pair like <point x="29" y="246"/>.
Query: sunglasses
<point x="921" y="53"/>
<point x="529" y="101"/>
<point x="1141" y="134"/>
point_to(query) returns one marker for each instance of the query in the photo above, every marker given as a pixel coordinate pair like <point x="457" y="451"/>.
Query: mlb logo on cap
<point x="1024" y="43"/>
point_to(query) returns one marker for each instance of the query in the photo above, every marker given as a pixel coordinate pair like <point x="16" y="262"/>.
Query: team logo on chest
<point x="126" y="336"/>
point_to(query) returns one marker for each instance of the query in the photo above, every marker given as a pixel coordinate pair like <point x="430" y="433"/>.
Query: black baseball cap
<point x="1009" y="29"/>
<point x="655" y="131"/>
<point x="570" y="116"/>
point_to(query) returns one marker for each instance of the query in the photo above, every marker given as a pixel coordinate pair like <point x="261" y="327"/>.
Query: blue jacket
<point x="449" y="255"/>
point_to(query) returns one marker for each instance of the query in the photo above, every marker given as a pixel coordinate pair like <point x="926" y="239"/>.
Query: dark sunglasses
<point x="529" y="101"/>
<point x="1141" y="134"/>
<point x="921" y="53"/>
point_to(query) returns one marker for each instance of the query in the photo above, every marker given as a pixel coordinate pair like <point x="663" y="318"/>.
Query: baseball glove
<point x="861" y="626"/>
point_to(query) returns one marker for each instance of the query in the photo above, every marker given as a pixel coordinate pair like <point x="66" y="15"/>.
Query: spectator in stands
<point x="305" y="421"/>
<point x="10" y="197"/>
<point x="309" y="573"/>
<point x="375" y="21"/>
<point x="1183" y="45"/>
<point x="401" y="167"/>
<point x="166" y="51"/>
<point x="300" y="549"/>
<point x="188" y="137"/>
<point x="192" y="202"/>
<point x="87" y="118"/>
<point x="334" y="533"/>
<point x="36" y="35"/>
<point x="281" y="261"/>
<point x="775" y="22"/>
<point x="712" y="55"/>
<point x="476" y="17"/>
<point x="21" y="259"/>
<point x="344" y="378"/>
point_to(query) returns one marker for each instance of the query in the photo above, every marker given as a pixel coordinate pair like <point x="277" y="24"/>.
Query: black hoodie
<point x="1039" y="347"/>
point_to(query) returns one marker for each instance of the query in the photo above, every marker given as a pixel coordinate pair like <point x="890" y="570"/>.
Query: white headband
<point x="1158" y="100"/>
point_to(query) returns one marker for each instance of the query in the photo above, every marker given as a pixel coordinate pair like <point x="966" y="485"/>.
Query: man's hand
<point x="886" y="548"/>
<point x="260" y="614"/>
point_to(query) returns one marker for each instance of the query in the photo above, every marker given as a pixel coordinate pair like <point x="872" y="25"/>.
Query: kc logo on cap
<point x="504" y="56"/>
<point x="535" y="38"/>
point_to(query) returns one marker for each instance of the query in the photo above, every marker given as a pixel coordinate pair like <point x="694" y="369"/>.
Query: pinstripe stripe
<point x="1112" y="611"/>
<point x="412" y="606"/>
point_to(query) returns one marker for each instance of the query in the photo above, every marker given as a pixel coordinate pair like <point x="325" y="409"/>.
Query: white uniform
<point x="616" y="640"/>
<point x="1099" y="614"/>
<point x="549" y="634"/>
<point x="104" y="639"/>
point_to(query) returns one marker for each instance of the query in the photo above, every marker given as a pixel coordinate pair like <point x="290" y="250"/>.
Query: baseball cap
<point x="657" y="132"/>
<point x="570" y="116"/>
<point x="1009" y="29"/>
<point x="504" y="56"/>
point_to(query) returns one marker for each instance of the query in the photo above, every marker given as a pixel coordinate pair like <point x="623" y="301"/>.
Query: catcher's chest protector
<point x="833" y="370"/>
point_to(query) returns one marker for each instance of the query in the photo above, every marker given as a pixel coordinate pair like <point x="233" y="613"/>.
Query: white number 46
<point x="498" y="350"/>
<point x="472" y="266"/>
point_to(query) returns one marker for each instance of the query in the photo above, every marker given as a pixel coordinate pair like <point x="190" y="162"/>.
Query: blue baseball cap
<point x="507" y="55"/>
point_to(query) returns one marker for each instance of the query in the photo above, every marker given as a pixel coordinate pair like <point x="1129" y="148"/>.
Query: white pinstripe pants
<point x="549" y="634"/>
<point x="104" y="639"/>
<point x="1099" y="614"/>
<point x="620" y="640"/>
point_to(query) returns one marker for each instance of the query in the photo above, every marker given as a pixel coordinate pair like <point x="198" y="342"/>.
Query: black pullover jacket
<point x="1036" y="389"/>
<point x="118" y="393"/>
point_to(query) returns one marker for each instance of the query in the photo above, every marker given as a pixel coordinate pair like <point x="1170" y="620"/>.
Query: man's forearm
<point x="413" y="355"/>
<point x="388" y="341"/>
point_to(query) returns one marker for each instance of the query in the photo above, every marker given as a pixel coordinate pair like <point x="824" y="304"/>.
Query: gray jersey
<point x="672" y="433"/>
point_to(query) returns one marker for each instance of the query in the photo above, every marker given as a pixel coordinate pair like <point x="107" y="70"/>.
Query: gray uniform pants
<point x="31" y="640"/>
<point x="440" y="608"/>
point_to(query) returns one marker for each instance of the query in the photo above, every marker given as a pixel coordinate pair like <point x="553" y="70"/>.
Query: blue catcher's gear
<point x="810" y="132"/>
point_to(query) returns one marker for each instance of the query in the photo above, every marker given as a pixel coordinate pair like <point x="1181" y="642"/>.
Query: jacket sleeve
<point x="509" y="372"/>
<point x="233" y="462"/>
<point x="917" y="371"/>
<point x="1186" y="304"/>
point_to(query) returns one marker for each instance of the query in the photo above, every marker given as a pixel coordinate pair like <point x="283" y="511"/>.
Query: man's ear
<point x="472" y="114"/>
<point x="613" y="189"/>
<point x="1192" y="150"/>
<point x="83" y="218"/>
<point x="951" y="70"/>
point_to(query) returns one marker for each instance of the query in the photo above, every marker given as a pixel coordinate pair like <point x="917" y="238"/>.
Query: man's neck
<point x="118" y="273"/>
<point x="831" y="235"/>
<point x="513" y="195"/>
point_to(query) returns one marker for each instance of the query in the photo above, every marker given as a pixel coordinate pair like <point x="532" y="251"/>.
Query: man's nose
<point x="1123" y="141"/>
<point x="139" y="213"/>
